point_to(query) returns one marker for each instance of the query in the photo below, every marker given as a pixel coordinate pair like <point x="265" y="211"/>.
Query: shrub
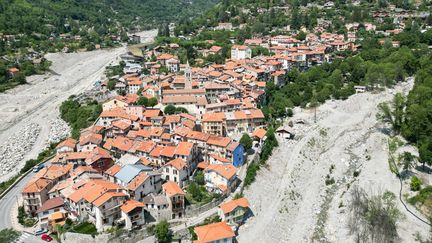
<point x="329" y="180"/>
<point x="246" y="141"/>
<point x="424" y="195"/>
<point x="199" y="178"/>
<point x="356" y="173"/>
<point x="162" y="232"/>
<point x="195" y="192"/>
<point x="250" y="174"/>
<point x="415" y="183"/>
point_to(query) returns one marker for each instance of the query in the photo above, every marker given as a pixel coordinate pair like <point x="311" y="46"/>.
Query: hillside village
<point x="177" y="134"/>
<point x="136" y="163"/>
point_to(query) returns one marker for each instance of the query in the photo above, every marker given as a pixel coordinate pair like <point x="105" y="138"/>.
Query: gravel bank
<point x="290" y="198"/>
<point x="38" y="103"/>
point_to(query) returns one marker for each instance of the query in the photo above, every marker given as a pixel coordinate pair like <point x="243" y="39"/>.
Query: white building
<point x="239" y="52"/>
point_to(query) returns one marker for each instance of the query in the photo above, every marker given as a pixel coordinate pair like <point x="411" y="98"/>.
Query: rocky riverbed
<point x="12" y="150"/>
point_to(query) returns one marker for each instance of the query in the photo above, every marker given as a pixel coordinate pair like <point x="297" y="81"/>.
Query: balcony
<point x="110" y="211"/>
<point x="32" y="201"/>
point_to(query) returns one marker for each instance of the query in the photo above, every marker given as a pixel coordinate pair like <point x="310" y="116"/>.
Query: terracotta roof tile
<point x="137" y="181"/>
<point x="107" y="196"/>
<point x="130" y="205"/>
<point x="178" y="163"/>
<point x="226" y="171"/>
<point x="171" y="188"/>
<point x="219" y="141"/>
<point x="214" y="232"/>
<point x="229" y="206"/>
<point x="184" y="148"/>
<point x="51" y="204"/>
<point x="69" y="142"/>
<point x="259" y="133"/>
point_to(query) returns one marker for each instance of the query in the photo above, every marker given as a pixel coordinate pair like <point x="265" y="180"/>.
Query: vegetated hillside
<point x="261" y="17"/>
<point x="46" y="16"/>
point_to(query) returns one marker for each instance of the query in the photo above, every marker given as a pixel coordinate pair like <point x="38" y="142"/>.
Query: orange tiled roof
<point x="213" y="232"/>
<point x="107" y="196"/>
<point x="198" y="136"/>
<point x="184" y="148"/>
<point x="219" y="141"/>
<point x="113" y="170"/>
<point x="178" y="163"/>
<point x="213" y="117"/>
<point x="168" y="151"/>
<point x="144" y="146"/>
<point x="152" y="113"/>
<point x="202" y="165"/>
<point x="259" y="133"/>
<point x="122" y="124"/>
<point x="240" y="47"/>
<point x="130" y="205"/>
<point x="165" y="56"/>
<point x="69" y="142"/>
<point x="93" y="138"/>
<point x="220" y="158"/>
<point x="226" y="171"/>
<point x="36" y="186"/>
<point x="228" y="207"/>
<point x="122" y="143"/>
<point x="137" y="181"/>
<point x="118" y="113"/>
<point x="188" y="123"/>
<point x="156" y="151"/>
<point x="171" y="188"/>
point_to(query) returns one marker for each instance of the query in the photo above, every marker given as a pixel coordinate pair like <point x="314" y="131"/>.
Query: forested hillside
<point x="262" y="17"/>
<point x="47" y="16"/>
<point x="30" y="28"/>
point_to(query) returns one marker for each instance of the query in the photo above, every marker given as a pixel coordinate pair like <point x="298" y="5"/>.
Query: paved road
<point x="29" y="238"/>
<point x="7" y="202"/>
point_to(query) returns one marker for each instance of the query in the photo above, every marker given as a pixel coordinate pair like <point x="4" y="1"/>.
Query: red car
<point x="46" y="237"/>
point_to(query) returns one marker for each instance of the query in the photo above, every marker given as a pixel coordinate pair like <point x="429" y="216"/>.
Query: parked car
<point x="46" y="237"/>
<point x="40" y="231"/>
<point x="38" y="168"/>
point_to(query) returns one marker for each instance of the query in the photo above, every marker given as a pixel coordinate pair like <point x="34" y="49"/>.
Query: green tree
<point x="143" y="101"/>
<point x="195" y="191"/>
<point x="162" y="232"/>
<point x="407" y="160"/>
<point x="152" y="101"/>
<point x="246" y="141"/>
<point x="301" y="36"/>
<point x="169" y="110"/>
<point x="394" y="113"/>
<point x="373" y="218"/>
<point x="180" y="109"/>
<point x="425" y="151"/>
<point x="199" y="178"/>
<point x="111" y="84"/>
<point x="9" y="235"/>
